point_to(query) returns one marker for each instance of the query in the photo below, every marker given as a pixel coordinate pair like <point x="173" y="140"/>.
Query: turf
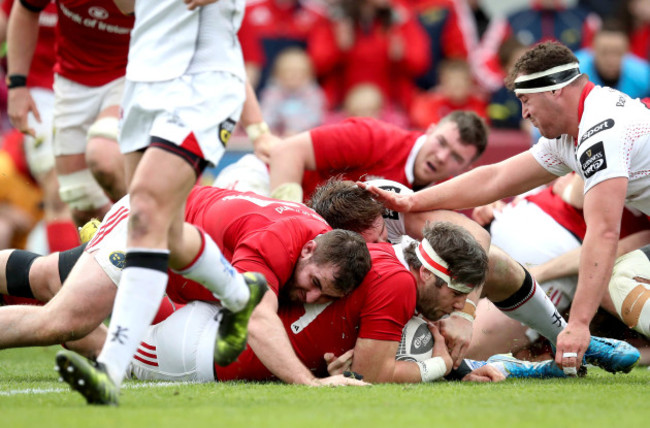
<point x="31" y="396"/>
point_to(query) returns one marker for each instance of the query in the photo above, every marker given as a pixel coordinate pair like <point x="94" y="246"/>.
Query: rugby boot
<point x="611" y="354"/>
<point x="512" y="367"/>
<point x="90" y="379"/>
<point x="233" y="328"/>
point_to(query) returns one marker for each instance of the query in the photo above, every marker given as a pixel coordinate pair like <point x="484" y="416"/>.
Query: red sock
<point x="62" y="235"/>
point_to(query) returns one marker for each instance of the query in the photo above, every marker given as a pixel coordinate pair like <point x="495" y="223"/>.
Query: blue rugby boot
<point x="611" y="355"/>
<point x="512" y="367"/>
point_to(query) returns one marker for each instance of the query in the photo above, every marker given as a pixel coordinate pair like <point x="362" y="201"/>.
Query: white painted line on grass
<point x="59" y="390"/>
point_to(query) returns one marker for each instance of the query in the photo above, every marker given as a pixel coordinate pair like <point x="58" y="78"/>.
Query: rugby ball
<point x="416" y="343"/>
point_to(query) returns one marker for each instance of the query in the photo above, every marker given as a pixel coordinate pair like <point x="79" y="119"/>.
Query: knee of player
<point x="81" y="192"/>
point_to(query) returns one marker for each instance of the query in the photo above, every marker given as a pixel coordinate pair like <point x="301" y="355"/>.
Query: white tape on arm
<point x="432" y="369"/>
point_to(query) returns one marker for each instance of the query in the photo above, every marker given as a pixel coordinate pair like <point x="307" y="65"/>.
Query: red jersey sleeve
<point x="389" y="307"/>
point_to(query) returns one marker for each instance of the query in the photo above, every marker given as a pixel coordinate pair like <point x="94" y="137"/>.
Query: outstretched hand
<point x="347" y="379"/>
<point x="572" y="343"/>
<point x="391" y="200"/>
<point x="487" y="373"/>
<point x="457" y="332"/>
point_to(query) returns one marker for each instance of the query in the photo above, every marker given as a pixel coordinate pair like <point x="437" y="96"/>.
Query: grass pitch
<point x="31" y="396"/>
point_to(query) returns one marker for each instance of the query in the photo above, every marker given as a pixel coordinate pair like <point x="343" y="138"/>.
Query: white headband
<point x="434" y="263"/>
<point x="547" y="80"/>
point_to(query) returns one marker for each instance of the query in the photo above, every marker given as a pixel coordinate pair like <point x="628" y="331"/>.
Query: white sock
<point x="137" y="301"/>
<point x="214" y="272"/>
<point x="532" y="307"/>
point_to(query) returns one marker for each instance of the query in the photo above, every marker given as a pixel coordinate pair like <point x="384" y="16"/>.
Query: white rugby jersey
<point x="169" y="41"/>
<point x="613" y="141"/>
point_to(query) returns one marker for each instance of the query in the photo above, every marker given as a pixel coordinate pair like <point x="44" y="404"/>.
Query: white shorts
<point x="108" y="246"/>
<point x="39" y="151"/>
<point x="76" y="107"/>
<point x="206" y="104"/>
<point x="248" y="174"/>
<point x="181" y="348"/>
<point x="532" y="237"/>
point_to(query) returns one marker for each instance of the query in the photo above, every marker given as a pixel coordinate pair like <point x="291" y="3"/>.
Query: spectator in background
<point x="543" y="20"/>
<point x="60" y="230"/>
<point x="451" y="29"/>
<point x="366" y="100"/>
<point x="635" y="16"/>
<point x="374" y="41"/>
<point x="604" y="8"/>
<point x="609" y="63"/>
<point x="269" y="27"/>
<point x="292" y="102"/>
<point x="504" y="110"/>
<point x="456" y="91"/>
<point x="20" y="198"/>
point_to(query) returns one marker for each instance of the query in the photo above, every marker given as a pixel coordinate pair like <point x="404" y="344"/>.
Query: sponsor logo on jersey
<point x="225" y="130"/>
<point x="117" y="259"/>
<point x="605" y="124"/>
<point x="593" y="160"/>
<point x="621" y="101"/>
<point x="98" y="12"/>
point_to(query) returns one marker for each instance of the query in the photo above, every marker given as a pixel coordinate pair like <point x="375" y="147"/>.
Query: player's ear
<point x="308" y="249"/>
<point x="425" y="274"/>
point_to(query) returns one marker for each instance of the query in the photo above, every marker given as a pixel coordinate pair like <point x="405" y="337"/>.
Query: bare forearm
<point x="290" y="159"/>
<point x="22" y="33"/>
<point x="596" y="263"/>
<point x="406" y="372"/>
<point x="484" y="185"/>
<point x="251" y="112"/>
<point x="269" y="341"/>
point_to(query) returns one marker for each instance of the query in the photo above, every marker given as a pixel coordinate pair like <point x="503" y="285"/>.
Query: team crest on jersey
<point x="593" y="160"/>
<point x="98" y="12"/>
<point x="225" y="130"/>
<point x="117" y="259"/>
<point x="621" y="101"/>
<point x="602" y="126"/>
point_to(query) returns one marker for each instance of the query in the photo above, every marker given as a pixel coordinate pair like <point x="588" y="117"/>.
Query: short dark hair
<point x="466" y="258"/>
<point x="472" y="129"/>
<point x="542" y="56"/>
<point x="344" y="205"/>
<point x="348" y="252"/>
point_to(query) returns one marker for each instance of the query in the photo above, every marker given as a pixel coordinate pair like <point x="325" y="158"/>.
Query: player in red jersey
<point x="310" y="263"/>
<point x="367" y="149"/>
<point x="60" y="230"/>
<point x="91" y="52"/>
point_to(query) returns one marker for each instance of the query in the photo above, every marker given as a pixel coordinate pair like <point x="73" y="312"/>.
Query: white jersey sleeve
<point x="394" y="220"/>
<point x="555" y="155"/>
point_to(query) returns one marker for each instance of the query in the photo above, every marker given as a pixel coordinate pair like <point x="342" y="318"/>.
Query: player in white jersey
<point x="598" y="132"/>
<point x="182" y="98"/>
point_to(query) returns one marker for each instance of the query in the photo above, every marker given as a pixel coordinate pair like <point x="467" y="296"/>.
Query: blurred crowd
<point x="405" y="62"/>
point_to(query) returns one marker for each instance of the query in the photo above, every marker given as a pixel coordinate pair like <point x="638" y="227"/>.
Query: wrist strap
<point x="16" y="81"/>
<point x="432" y="369"/>
<point x="256" y="130"/>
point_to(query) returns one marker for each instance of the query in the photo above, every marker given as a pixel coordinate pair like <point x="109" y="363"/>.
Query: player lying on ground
<point x="508" y="285"/>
